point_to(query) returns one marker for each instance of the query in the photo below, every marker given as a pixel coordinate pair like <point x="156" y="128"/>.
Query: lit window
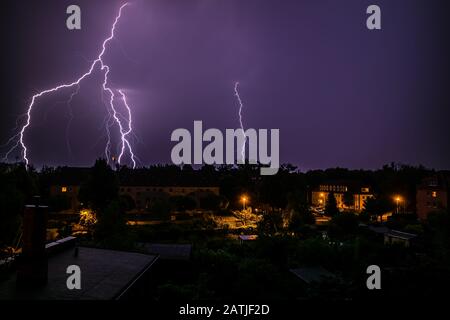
<point x="364" y="189"/>
<point x="63" y="189"/>
<point x="434" y="194"/>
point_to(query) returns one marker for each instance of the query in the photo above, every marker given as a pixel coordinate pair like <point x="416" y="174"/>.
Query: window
<point x="434" y="194"/>
<point x="63" y="189"/>
<point x="364" y="189"/>
<point x="432" y="183"/>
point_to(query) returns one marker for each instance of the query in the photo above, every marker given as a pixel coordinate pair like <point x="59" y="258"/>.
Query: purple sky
<point x="340" y="94"/>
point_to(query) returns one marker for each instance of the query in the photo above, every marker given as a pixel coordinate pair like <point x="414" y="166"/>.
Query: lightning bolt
<point x="69" y="106"/>
<point x="125" y="142"/>
<point x="98" y="62"/>
<point x="241" y="105"/>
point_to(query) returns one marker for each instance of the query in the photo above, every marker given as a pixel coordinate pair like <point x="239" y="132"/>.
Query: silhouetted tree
<point x="376" y="207"/>
<point x="100" y="189"/>
<point x="182" y="203"/>
<point x="439" y="225"/>
<point x="343" y="225"/>
<point x="270" y="223"/>
<point x="299" y="210"/>
<point x="348" y="199"/>
<point x="160" y="207"/>
<point x="111" y="228"/>
<point x="210" y="202"/>
<point x="331" y="208"/>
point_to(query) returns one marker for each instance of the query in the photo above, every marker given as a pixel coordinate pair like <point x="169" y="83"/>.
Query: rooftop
<point x="401" y="235"/>
<point x="105" y="275"/>
<point x="439" y="180"/>
<point x="312" y="274"/>
<point x="379" y="229"/>
<point x="354" y="186"/>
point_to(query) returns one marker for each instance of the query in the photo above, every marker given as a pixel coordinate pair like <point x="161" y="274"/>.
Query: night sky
<point x="340" y="94"/>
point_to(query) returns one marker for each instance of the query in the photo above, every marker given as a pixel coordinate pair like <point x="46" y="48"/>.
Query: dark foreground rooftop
<point x="105" y="274"/>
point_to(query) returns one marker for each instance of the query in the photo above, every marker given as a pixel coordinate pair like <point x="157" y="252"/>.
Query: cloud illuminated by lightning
<point x="241" y="105"/>
<point x="124" y="131"/>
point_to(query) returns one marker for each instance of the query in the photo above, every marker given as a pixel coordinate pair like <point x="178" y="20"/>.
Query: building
<point x="350" y="195"/>
<point x="64" y="187"/>
<point x="433" y="194"/>
<point x="394" y="237"/>
<point x="140" y="186"/>
<point x="68" y="192"/>
<point x="143" y="195"/>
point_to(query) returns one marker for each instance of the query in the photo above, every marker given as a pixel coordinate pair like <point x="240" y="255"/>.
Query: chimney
<point x="32" y="265"/>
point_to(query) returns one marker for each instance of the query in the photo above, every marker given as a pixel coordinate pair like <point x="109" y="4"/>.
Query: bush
<point x="111" y="230"/>
<point x="182" y="203"/>
<point x="343" y="225"/>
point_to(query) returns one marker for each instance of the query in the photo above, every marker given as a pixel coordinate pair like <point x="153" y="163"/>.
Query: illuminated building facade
<point x="349" y="195"/>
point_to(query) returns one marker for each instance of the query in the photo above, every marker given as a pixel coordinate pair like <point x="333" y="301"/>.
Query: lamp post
<point x="397" y="201"/>
<point x="244" y="200"/>
<point x="322" y="200"/>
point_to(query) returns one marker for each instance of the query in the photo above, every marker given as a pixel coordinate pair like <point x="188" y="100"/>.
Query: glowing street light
<point x="244" y="200"/>
<point x="322" y="199"/>
<point x="398" y="199"/>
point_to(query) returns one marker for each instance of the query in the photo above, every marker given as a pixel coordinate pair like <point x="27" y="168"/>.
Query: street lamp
<point x="397" y="201"/>
<point x="322" y="200"/>
<point x="244" y="200"/>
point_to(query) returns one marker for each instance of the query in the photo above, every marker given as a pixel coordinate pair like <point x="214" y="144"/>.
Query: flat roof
<point x="105" y="274"/>
<point x="401" y="235"/>
<point x="312" y="274"/>
<point x="379" y="229"/>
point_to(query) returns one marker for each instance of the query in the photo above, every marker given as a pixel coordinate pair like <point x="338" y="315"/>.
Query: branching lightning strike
<point x="124" y="131"/>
